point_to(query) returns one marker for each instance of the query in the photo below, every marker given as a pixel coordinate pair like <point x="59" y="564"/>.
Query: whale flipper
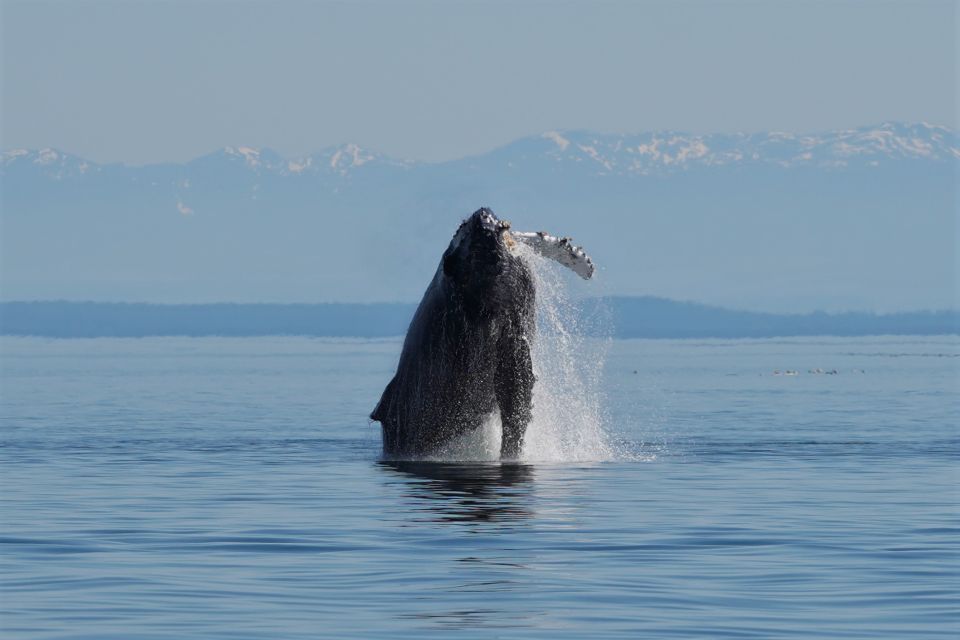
<point x="561" y="250"/>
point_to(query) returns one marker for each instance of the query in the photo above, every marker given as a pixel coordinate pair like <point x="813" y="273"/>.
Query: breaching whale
<point x="467" y="352"/>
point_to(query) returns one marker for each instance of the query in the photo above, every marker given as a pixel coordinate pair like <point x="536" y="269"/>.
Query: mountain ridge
<point x="632" y="153"/>
<point x="868" y="220"/>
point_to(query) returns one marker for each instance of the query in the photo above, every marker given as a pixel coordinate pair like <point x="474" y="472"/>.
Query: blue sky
<point x="155" y="81"/>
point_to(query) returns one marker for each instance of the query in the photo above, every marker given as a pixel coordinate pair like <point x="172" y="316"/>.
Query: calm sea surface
<point x="232" y="488"/>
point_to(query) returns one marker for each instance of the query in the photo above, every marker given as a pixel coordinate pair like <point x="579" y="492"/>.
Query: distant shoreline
<point x="621" y="317"/>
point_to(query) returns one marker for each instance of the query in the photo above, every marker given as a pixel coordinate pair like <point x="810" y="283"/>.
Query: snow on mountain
<point x="343" y="160"/>
<point x="252" y="159"/>
<point x="652" y="153"/>
<point x="52" y="162"/>
<point x="250" y="155"/>
<point x="666" y="151"/>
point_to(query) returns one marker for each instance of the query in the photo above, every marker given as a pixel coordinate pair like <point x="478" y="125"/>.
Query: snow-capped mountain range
<point x="670" y="151"/>
<point x="340" y="160"/>
<point x="863" y="218"/>
<point x="653" y="153"/>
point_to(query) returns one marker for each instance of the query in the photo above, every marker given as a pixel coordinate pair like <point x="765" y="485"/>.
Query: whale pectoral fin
<point x="561" y="250"/>
<point x="385" y="413"/>
<point x="379" y="412"/>
<point x="514" y="389"/>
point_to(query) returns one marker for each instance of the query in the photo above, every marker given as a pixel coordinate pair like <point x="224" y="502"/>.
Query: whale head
<point x="479" y="250"/>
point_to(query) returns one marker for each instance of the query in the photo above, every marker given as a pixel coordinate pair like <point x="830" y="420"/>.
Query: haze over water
<point x="171" y="488"/>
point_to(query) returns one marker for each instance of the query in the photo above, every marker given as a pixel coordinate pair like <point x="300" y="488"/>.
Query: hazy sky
<point x="167" y="81"/>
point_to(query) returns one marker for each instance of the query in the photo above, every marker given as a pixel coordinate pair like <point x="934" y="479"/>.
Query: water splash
<point x="568" y="419"/>
<point x="569" y="352"/>
<point x="481" y="445"/>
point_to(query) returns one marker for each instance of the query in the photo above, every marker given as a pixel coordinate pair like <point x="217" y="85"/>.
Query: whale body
<point x="467" y="352"/>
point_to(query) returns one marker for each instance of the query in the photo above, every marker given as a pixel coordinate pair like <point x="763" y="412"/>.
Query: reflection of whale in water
<point x="469" y="492"/>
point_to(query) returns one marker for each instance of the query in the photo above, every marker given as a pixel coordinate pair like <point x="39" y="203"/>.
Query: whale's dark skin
<point x="467" y="351"/>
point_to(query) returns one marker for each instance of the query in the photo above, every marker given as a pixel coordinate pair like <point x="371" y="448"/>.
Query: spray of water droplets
<point x="568" y="418"/>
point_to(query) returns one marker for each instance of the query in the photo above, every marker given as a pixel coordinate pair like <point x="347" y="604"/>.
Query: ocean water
<point x="233" y="488"/>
